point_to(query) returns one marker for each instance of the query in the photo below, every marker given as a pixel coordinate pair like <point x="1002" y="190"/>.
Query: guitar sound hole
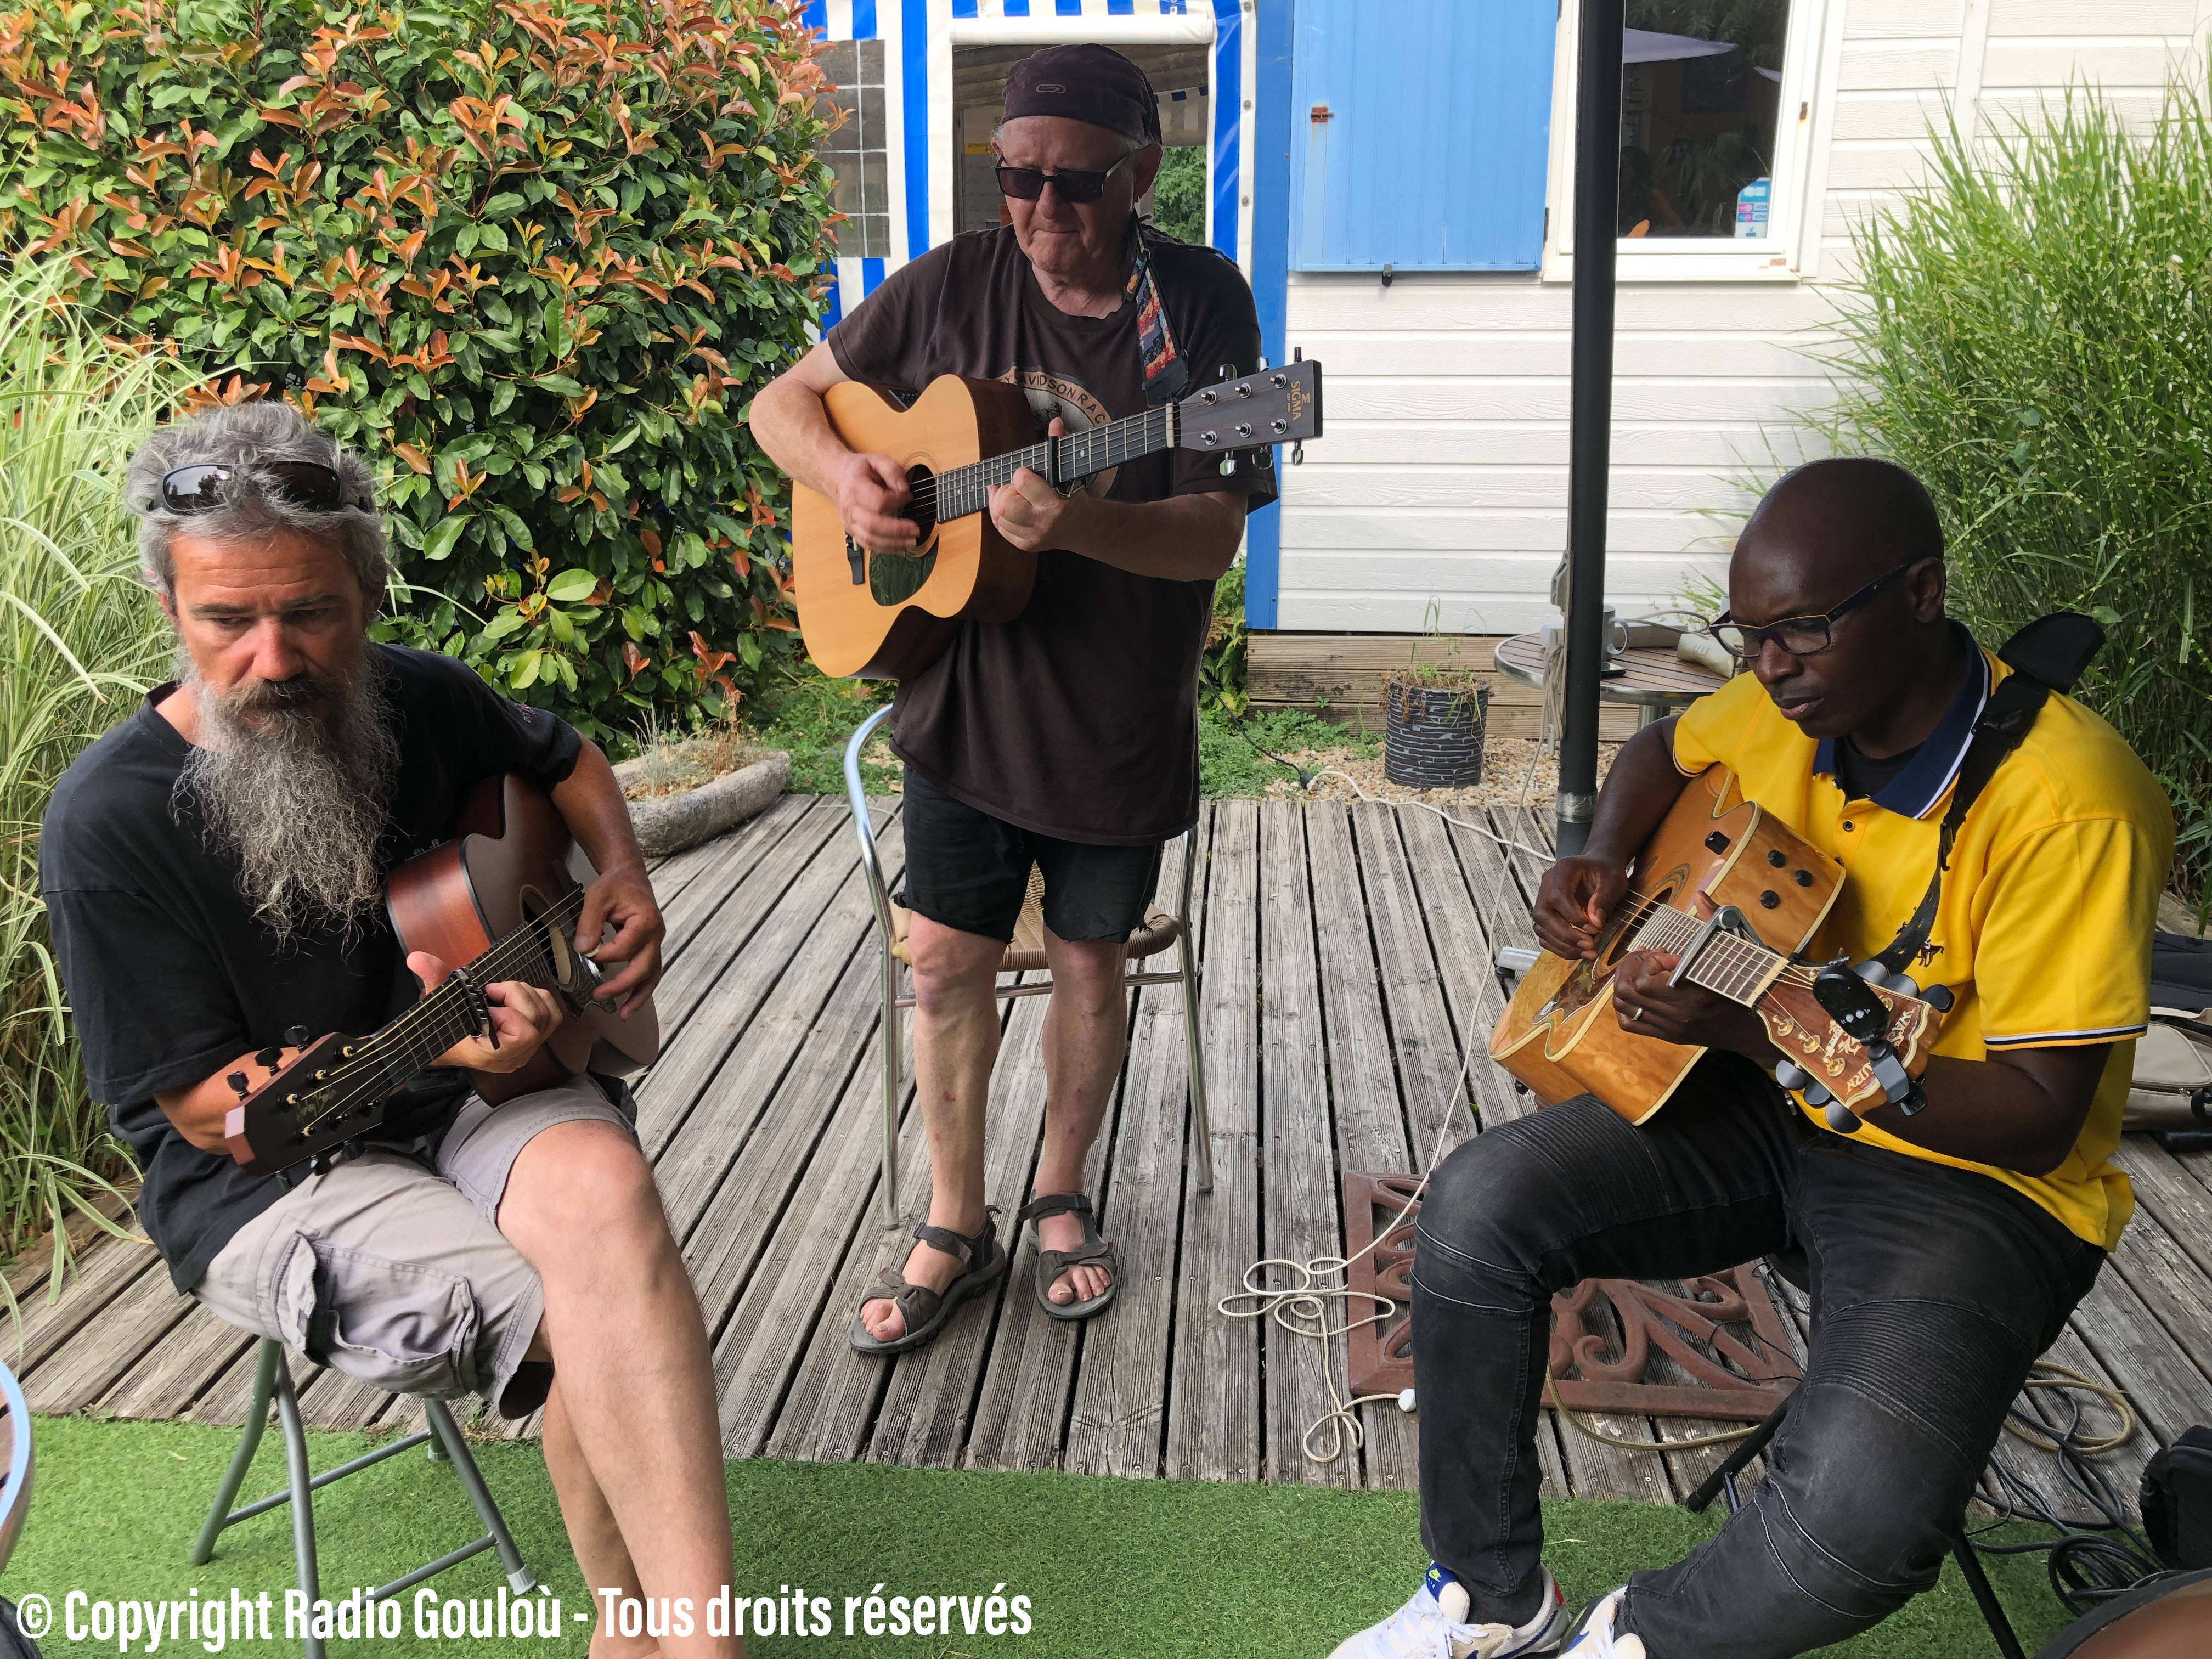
<point x="894" y="578"/>
<point x="558" y="955"/>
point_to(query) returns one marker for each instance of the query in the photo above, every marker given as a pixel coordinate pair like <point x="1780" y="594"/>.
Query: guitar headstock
<point x="324" y="1098"/>
<point x="1280" y="405"/>
<point x="1805" y="1031"/>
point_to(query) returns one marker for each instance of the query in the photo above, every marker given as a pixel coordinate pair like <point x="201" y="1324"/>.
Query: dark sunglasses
<point x="199" y="487"/>
<point x="1801" y="636"/>
<point x="1027" y="184"/>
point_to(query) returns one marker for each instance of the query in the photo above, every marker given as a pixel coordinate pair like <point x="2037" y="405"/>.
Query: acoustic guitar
<point x="1734" y="892"/>
<point x="887" y="615"/>
<point x="502" y="898"/>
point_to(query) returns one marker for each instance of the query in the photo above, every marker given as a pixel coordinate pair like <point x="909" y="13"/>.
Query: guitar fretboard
<point x="964" y="489"/>
<point x="1739" y="970"/>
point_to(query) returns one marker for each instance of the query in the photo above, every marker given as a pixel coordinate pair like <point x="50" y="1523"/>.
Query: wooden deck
<point x="1368" y="929"/>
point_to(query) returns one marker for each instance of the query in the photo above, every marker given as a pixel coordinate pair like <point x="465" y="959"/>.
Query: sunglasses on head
<point x="198" y="488"/>
<point x="1027" y="184"/>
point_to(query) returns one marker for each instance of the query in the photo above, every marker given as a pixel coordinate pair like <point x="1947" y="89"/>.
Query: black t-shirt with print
<point x="169" y="976"/>
<point x="1078" y="719"/>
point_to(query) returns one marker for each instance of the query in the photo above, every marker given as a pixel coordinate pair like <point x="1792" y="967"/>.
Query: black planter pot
<point x="1432" y="734"/>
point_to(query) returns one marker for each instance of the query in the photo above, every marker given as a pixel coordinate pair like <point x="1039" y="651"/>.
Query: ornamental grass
<point x="80" y="640"/>
<point x="2032" y="337"/>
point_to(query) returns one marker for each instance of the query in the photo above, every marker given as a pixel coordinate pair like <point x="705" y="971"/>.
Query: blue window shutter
<point x="1433" y="153"/>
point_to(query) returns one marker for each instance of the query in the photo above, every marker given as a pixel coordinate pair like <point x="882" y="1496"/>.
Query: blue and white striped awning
<point x="979" y="8"/>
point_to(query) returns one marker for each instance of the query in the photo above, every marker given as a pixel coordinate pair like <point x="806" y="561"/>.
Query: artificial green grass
<point x="1113" y="1569"/>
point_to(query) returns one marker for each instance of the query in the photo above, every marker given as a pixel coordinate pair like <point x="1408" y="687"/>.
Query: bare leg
<point x="593" y="1534"/>
<point x="637" y="1383"/>
<point x="955" y="1041"/>
<point x="1085" y="1031"/>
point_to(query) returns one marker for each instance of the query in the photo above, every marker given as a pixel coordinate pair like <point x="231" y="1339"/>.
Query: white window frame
<point x="1790" y="252"/>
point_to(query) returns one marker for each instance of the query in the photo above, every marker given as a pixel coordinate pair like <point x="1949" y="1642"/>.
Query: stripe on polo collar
<point x="1914" y="793"/>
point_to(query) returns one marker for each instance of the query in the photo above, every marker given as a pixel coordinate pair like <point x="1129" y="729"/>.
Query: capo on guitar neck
<point x="472" y="994"/>
<point x="1725" y="919"/>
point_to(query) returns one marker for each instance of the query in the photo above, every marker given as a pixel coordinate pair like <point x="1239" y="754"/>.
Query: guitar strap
<point x="1166" y="372"/>
<point x="2047" y="655"/>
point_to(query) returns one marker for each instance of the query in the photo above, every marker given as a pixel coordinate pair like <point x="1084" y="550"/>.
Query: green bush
<point x="1179" y="194"/>
<point x="2034" y="339"/>
<point x="80" y="642"/>
<point x="539" y="254"/>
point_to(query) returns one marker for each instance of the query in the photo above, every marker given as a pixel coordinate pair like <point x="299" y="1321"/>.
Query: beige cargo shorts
<point x="391" y="1269"/>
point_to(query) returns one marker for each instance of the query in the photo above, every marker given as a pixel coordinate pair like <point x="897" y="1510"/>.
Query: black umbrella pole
<point x="1597" y="192"/>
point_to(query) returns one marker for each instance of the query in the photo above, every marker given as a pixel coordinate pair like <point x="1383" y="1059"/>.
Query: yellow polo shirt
<point x="2043" y="932"/>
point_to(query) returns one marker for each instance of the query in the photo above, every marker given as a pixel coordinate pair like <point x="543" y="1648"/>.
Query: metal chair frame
<point x="273" y="1378"/>
<point x="1186" y="976"/>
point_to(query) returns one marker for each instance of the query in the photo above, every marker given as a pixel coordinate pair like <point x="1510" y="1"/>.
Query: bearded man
<point x="215" y="868"/>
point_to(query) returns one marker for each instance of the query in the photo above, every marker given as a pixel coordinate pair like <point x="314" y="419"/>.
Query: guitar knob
<point x="1939" y="998"/>
<point x="270" y="1057"/>
<point x="237" y="1081"/>
<point x="1841" y="1118"/>
<point x="296" y="1036"/>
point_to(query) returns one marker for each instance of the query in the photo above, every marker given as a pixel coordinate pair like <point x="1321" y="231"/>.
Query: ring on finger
<point x="1635" y="1014"/>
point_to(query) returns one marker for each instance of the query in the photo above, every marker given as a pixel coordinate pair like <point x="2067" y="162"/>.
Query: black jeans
<point x="1934" y="1291"/>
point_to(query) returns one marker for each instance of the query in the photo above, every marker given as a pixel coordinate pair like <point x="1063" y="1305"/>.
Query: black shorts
<point x="967" y="870"/>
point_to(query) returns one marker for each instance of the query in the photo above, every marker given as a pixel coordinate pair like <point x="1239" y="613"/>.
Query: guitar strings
<point x="442" y="1017"/>
<point x="962" y="480"/>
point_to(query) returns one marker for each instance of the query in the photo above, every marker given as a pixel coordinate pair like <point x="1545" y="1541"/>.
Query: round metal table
<point x="1656" y="682"/>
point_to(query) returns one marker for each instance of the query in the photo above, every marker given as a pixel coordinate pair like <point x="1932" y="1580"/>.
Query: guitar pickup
<point x="858" y="559"/>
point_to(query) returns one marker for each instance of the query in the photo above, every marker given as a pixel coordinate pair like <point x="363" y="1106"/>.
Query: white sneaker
<point x="1432" y="1625"/>
<point x="1593" y="1637"/>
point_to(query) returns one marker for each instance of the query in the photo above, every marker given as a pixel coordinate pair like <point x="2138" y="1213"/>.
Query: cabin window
<point x="1700" y="114"/>
<point x="856" y="154"/>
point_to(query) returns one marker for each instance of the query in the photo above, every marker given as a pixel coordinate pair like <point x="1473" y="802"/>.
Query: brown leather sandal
<point x="1051" y="1264"/>
<point x="925" y="1311"/>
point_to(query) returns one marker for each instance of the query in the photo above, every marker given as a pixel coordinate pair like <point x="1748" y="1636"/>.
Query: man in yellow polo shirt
<point x="1946" y="1247"/>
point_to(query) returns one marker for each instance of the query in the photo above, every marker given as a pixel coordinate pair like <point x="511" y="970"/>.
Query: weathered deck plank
<point x="1214" y="1388"/>
<point x="1119" y="1417"/>
<point x="1365" y="1100"/>
<point x="1299" y="1206"/>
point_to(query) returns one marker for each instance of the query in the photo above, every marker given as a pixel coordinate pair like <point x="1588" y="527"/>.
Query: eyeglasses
<point x="199" y="487"/>
<point x="1027" y="184"/>
<point x="1801" y="636"/>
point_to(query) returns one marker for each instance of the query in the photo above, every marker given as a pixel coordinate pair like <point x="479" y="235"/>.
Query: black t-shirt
<point x="1079" y="719"/>
<point x="1862" y="776"/>
<point x="169" y="976"/>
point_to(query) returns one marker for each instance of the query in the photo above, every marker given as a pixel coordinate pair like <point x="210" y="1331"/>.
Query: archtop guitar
<point x="502" y="898"/>
<point x="887" y="615"/>
<point x="1735" y="892"/>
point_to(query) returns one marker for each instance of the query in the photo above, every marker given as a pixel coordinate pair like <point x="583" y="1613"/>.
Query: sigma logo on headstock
<point x="1301" y="400"/>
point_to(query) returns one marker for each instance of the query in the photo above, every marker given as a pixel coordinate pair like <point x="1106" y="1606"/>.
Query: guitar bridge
<point x="858" y="559"/>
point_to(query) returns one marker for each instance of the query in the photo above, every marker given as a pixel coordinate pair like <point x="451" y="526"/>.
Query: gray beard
<point x="296" y="793"/>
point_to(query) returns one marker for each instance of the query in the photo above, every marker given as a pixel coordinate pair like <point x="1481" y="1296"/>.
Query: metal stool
<point x="1175" y="930"/>
<point x="444" y="1437"/>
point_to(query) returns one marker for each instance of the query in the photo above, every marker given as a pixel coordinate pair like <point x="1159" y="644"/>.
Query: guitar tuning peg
<point x="270" y="1057"/>
<point x="1297" y="353"/>
<point x="1298" y="453"/>
<point x="237" y="1081"/>
<point x="296" y="1036"/>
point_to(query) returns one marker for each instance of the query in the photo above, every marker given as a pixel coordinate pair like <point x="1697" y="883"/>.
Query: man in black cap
<point x="1067" y="737"/>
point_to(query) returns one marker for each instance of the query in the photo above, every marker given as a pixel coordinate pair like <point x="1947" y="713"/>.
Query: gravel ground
<point x="1510" y="767"/>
